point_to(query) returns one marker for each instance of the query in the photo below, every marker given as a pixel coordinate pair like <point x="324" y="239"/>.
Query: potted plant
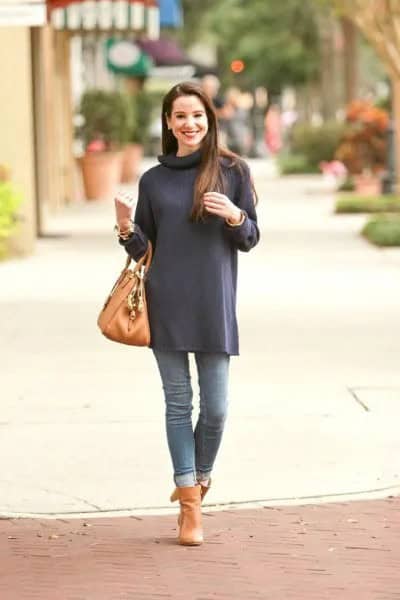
<point x="143" y="104"/>
<point x="10" y="200"/>
<point x="134" y="149"/>
<point x="363" y="148"/>
<point x="106" y="119"/>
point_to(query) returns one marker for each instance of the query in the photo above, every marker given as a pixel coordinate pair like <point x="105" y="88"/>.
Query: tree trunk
<point x="350" y="60"/>
<point x="396" y="119"/>
<point x="328" y="88"/>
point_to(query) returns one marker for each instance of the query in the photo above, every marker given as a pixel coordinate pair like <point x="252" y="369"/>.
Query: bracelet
<point x="242" y="218"/>
<point x="125" y="234"/>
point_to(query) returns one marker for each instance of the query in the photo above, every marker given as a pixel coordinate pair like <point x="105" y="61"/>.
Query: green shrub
<point x="347" y="185"/>
<point x="383" y="230"/>
<point x="367" y="204"/>
<point x="295" y="164"/>
<point x="107" y="116"/>
<point x="10" y="201"/>
<point x="316" y="144"/>
<point x="146" y="106"/>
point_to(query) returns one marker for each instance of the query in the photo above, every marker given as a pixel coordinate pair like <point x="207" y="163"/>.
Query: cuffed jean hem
<point x="203" y="475"/>
<point x="186" y="480"/>
<point x="190" y="480"/>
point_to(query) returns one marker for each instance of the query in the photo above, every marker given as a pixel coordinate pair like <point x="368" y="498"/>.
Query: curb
<point x="374" y="494"/>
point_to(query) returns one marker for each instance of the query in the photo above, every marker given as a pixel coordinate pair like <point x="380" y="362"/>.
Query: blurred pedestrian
<point x="211" y="86"/>
<point x="238" y="127"/>
<point x="273" y="129"/>
<point x="259" y="109"/>
<point x="198" y="209"/>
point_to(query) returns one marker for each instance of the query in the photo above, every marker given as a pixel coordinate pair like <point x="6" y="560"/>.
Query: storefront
<point x="36" y="95"/>
<point x="16" y="107"/>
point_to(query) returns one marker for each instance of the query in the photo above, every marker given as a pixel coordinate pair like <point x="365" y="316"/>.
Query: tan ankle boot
<point x="204" y="488"/>
<point x="190" y="530"/>
<point x="203" y="491"/>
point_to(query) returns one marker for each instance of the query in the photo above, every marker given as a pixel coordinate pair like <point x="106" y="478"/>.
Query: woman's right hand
<point x="123" y="210"/>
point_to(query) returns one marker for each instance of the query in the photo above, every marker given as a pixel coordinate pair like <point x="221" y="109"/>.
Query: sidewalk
<point x="313" y="423"/>
<point x="315" y="394"/>
<point x="326" y="552"/>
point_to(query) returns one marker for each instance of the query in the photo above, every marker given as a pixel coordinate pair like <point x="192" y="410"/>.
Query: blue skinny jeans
<point x="193" y="453"/>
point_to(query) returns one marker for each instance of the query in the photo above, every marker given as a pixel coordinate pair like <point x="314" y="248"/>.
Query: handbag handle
<point x="144" y="260"/>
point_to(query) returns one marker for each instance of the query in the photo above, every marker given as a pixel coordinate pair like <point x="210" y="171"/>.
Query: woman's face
<point x="188" y="122"/>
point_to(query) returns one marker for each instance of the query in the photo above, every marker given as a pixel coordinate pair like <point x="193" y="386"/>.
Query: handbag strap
<point x="145" y="260"/>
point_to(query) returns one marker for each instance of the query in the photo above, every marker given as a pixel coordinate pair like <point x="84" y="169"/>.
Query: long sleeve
<point x="145" y="228"/>
<point x="246" y="235"/>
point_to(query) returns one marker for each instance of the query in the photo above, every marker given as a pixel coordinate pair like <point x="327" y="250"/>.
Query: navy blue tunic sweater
<point x="191" y="284"/>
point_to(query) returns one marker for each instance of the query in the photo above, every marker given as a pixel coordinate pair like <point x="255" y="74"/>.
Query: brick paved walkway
<point x="348" y="551"/>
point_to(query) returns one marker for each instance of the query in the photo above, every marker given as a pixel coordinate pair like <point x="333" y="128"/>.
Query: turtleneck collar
<point x="180" y="162"/>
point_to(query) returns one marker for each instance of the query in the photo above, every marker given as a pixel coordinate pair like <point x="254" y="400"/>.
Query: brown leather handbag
<point x="124" y="317"/>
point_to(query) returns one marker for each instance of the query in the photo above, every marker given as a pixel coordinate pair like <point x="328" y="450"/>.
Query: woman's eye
<point x="196" y="116"/>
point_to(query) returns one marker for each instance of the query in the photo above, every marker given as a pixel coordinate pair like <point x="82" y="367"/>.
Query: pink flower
<point x="334" y="167"/>
<point x="96" y="146"/>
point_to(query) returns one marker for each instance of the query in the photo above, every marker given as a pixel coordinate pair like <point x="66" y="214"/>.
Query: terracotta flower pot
<point x="101" y="172"/>
<point x="132" y="158"/>
<point x="367" y="185"/>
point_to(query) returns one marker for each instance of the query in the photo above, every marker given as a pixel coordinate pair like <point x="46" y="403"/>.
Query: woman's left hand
<point x="220" y="205"/>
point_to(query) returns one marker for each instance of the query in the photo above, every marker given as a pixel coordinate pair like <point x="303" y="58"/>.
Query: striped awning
<point x="106" y="15"/>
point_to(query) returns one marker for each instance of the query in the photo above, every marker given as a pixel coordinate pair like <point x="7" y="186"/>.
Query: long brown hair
<point x="210" y="176"/>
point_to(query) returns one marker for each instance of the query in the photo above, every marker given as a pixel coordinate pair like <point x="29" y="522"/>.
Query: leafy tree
<point x="194" y="16"/>
<point x="379" y="21"/>
<point x="277" y="41"/>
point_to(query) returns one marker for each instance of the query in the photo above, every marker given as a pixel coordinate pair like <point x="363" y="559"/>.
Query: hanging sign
<point x="19" y="14"/>
<point x="126" y="58"/>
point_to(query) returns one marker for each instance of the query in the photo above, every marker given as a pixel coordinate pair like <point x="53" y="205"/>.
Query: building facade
<point x="36" y="100"/>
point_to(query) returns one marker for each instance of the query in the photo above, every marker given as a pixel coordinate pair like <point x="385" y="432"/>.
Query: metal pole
<point x="389" y="180"/>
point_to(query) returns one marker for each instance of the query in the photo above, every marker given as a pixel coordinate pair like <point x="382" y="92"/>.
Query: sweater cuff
<point x="136" y="244"/>
<point x="240" y="234"/>
<point x="241" y="226"/>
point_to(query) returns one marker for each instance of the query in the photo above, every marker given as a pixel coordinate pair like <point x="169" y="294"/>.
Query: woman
<point x="197" y="209"/>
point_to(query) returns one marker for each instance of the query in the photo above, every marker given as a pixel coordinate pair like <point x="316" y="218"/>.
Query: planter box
<point x="101" y="173"/>
<point x="368" y="185"/>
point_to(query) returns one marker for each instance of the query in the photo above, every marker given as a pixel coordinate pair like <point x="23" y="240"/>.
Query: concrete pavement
<point x="315" y="395"/>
